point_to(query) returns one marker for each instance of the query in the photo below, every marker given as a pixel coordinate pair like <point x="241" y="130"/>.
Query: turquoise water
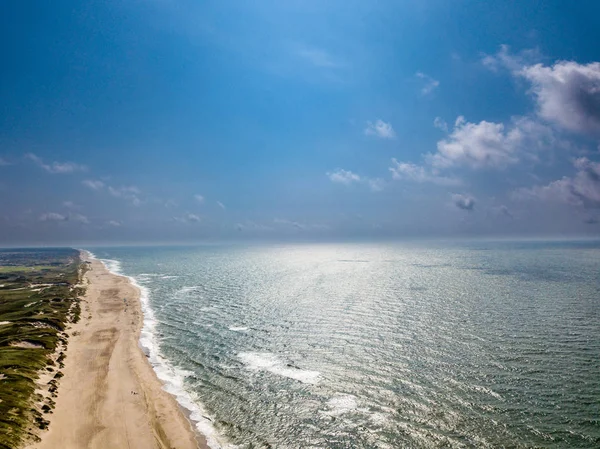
<point x="377" y="346"/>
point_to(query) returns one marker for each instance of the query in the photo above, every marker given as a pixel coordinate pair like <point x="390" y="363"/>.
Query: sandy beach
<point x="109" y="396"/>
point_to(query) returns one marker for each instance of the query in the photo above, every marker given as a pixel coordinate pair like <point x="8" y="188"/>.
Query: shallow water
<point x="377" y="346"/>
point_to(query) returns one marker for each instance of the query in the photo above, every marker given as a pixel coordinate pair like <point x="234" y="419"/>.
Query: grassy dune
<point x="38" y="298"/>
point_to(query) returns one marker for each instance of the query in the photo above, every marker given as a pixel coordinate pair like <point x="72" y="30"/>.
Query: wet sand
<point x="109" y="396"/>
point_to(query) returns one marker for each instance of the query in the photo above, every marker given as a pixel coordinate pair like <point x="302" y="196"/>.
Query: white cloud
<point x="417" y="173"/>
<point x="343" y="176"/>
<point x="94" y="185"/>
<point x="301" y="226"/>
<point x="430" y="84"/>
<point x="4" y="162"/>
<point x="464" y="202"/>
<point x="294" y="224"/>
<point x="56" y="167"/>
<point x="317" y="57"/>
<point x="130" y="193"/>
<point x="380" y="129"/>
<point x="192" y="218"/>
<point x="252" y="226"/>
<point x="503" y="211"/>
<point x="504" y="59"/>
<point x="70" y="205"/>
<point x="490" y="145"/>
<point x="221" y="205"/>
<point x="78" y="218"/>
<point x="114" y="223"/>
<point x="199" y="198"/>
<point x="123" y="192"/>
<point x="567" y="94"/>
<point x="52" y="216"/>
<point x="376" y="184"/>
<point x="347" y="177"/>
<point x="440" y="124"/>
<point x="583" y="189"/>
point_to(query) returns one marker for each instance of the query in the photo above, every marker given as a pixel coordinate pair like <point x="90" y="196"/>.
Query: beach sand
<point x="96" y="406"/>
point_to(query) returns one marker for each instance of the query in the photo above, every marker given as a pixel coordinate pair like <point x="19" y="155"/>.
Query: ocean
<point x="478" y="344"/>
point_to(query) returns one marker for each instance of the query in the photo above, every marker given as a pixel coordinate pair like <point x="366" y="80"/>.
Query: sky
<point x="129" y="121"/>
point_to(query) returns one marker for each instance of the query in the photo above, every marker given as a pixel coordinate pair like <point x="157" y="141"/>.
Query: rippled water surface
<point x="377" y="346"/>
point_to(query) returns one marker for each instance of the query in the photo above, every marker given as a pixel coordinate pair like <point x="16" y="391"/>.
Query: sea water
<point x="483" y="344"/>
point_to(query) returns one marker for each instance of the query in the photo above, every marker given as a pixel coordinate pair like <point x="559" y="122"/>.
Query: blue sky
<point x="164" y="120"/>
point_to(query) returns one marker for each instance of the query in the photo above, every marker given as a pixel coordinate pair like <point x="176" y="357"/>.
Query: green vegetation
<point x="17" y="268"/>
<point x="38" y="298"/>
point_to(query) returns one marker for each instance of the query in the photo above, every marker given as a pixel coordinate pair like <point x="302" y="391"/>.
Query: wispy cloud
<point x="93" y="184"/>
<point x="188" y="218"/>
<point x="193" y="218"/>
<point x="317" y="57"/>
<point x="342" y="176"/>
<point x="70" y="205"/>
<point x="381" y="129"/>
<point x="505" y="59"/>
<point x="221" y="205"/>
<point x="52" y="216"/>
<point x="417" y="173"/>
<point x="56" y="167"/>
<point x="346" y="177"/>
<point x="376" y="184"/>
<point x="4" y="162"/>
<point x="130" y="193"/>
<point x="300" y="226"/>
<point x="71" y="216"/>
<point x="78" y="218"/>
<point x="252" y="226"/>
<point x="429" y="84"/>
<point x="199" y="198"/>
<point x="114" y="223"/>
<point x="439" y="123"/>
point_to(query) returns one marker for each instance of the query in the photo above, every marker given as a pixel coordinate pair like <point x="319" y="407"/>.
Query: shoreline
<point x="170" y="377"/>
<point x="110" y="395"/>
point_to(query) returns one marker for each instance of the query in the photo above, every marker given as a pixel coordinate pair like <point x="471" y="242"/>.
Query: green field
<point x="38" y="299"/>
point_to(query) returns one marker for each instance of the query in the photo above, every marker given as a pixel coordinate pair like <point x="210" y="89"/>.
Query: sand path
<point x="95" y="407"/>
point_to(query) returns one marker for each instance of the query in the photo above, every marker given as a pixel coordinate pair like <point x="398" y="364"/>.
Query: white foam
<point x="485" y="390"/>
<point x="238" y="328"/>
<point x="341" y="404"/>
<point x="91" y="255"/>
<point x="188" y="289"/>
<point x="113" y="266"/>
<point x="265" y="361"/>
<point x="171" y="376"/>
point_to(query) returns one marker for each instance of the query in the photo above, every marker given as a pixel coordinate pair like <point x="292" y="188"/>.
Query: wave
<point x="172" y="377"/>
<point x="265" y="361"/>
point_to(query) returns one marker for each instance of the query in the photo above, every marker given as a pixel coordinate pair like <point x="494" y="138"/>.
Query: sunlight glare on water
<point x="380" y="346"/>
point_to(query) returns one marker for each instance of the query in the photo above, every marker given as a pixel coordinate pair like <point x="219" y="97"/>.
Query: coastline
<point x="110" y="396"/>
